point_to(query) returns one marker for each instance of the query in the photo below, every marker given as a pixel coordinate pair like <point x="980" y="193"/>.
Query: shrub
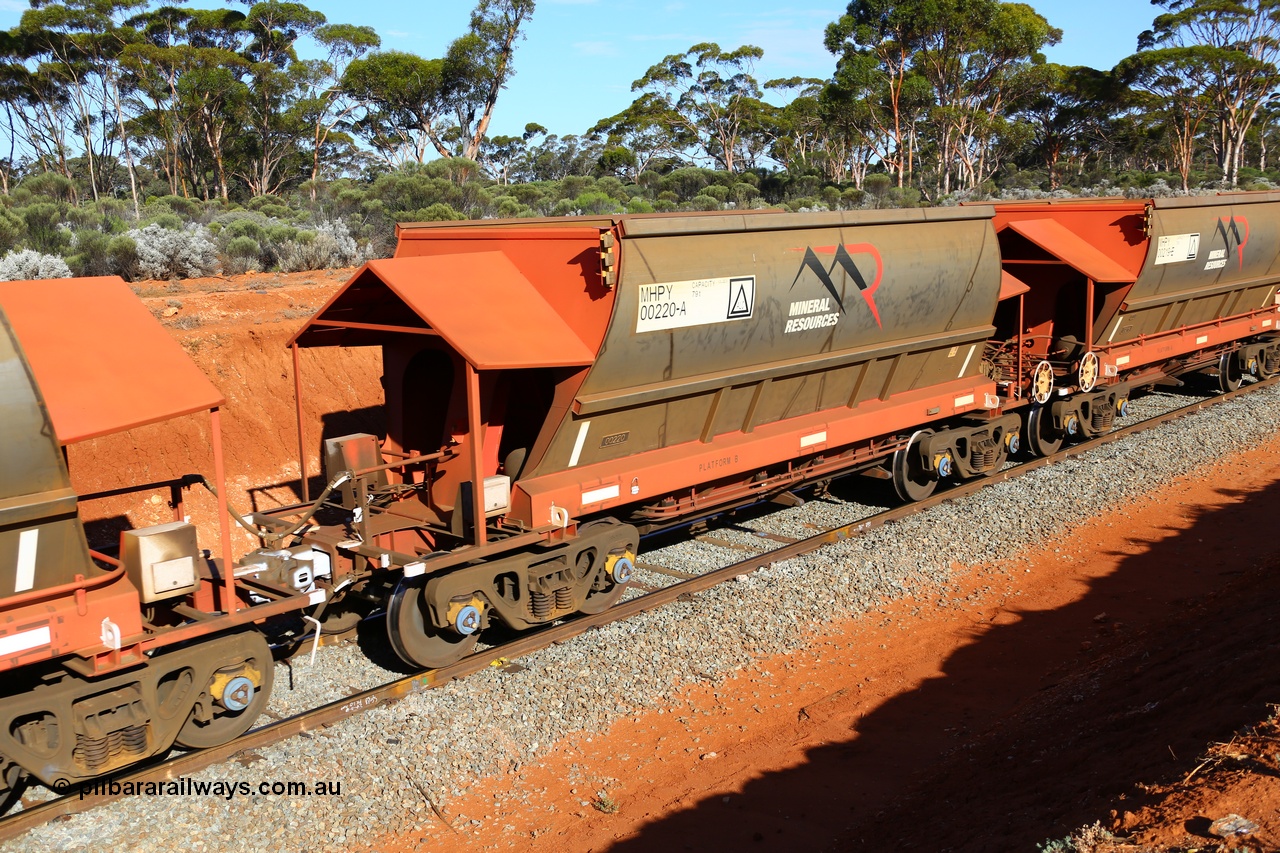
<point x="51" y="185"/>
<point x="30" y="264"/>
<point x="174" y="254"/>
<point x="743" y="192"/>
<point x="687" y="182"/>
<point x="509" y="208"/>
<point x="184" y="207"/>
<point x="717" y="191"/>
<point x="276" y="211"/>
<point x="12" y="229"/>
<point x="242" y="255"/>
<point x="329" y="246"/>
<point x="595" y="202"/>
<point x="166" y="220"/>
<point x="90" y="256"/>
<point x="124" y="257"/>
<point x="438" y="212"/>
<point x="44" y="227"/>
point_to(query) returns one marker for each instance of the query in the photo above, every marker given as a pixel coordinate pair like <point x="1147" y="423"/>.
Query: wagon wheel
<point x="1042" y="438"/>
<point x="1229" y="372"/>
<point x="12" y="783"/>
<point x="414" y="637"/>
<point x="239" y="703"/>
<point x="910" y="479"/>
<point x="1088" y="375"/>
<point x="343" y="616"/>
<point x="1042" y="382"/>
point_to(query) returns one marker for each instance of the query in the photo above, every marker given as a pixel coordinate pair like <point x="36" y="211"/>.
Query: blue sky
<point x="579" y="57"/>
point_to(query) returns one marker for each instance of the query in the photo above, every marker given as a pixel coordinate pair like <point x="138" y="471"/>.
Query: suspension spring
<point x="564" y="598"/>
<point x="1102" y="418"/>
<point x="135" y="739"/>
<point x="91" y="751"/>
<point x="540" y="604"/>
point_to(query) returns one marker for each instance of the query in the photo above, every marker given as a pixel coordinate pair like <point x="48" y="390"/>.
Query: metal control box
<point x="356" y="452"/>
<point x="497" y="495"/>
<point x="161" y="561"/>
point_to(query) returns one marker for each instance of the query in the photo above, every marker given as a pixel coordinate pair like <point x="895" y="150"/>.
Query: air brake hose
<point x="239" y="519"/>
<point x="272" y="540"/>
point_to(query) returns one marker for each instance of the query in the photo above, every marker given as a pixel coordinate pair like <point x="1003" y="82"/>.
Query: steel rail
<point x="334" y="712"/>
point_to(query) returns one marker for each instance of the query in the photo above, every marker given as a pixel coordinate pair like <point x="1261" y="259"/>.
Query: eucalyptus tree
<point x="708" y="96"/>
<point x="325" y="105"/>
<point x="1177" y="88"/>
<point x="410" y="105"/>
<point x="966" y="64"/>
<point x="191" y="94"/>
<point x="76" y="46"/>
<point x="983" y="60"/>
<point x="478" y="66"/>
<point x="1230" y="49"/>
<point x="400" y="99"/>
<point x="875" y="42"/>
<point x="799" y="142"/>
<point x="1069" y="114"/>
<point x="645" y="134"/>
<point x="275" y="80"/>
<point x="855" y="135"/>
<point x="878" y="109"/>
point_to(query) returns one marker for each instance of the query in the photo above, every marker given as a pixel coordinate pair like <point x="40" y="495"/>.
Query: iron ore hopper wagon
<point x="1124" y="294"/>
<point x="574" y="383"/>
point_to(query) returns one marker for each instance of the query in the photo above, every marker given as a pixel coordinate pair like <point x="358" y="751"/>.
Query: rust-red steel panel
<point x="1011" y="286"/>
<point x="1067" y="247"/>
<point x="479" y="302"/>
<point x="93" y="388"/>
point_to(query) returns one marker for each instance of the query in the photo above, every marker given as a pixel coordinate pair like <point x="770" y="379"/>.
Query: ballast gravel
<point x="397" y="763"/>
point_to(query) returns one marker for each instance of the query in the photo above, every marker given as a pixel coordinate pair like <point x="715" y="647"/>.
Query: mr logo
<point x="844" y="261"/>
<point x="1235" y="231"/>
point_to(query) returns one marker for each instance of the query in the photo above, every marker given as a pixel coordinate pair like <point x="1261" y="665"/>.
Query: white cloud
<point x="14" y="6"/>
<point x="595" y="48"/>
<point x="395" y="34"/>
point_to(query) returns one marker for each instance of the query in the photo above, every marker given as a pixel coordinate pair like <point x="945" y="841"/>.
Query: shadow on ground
<point x="1045" y="720"/>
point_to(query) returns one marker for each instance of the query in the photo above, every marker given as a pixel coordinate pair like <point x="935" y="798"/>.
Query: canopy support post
<point x="302" y="446"/>
<point x="1088" y="315"/>
<point x="476" y="428"/>
<point x="224" y="513"/>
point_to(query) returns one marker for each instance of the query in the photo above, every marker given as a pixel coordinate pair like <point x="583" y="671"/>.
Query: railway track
<point x="683" y="585"/>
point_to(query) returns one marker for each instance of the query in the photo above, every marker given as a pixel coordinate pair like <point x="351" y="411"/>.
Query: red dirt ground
<point x="1084" y="685"/>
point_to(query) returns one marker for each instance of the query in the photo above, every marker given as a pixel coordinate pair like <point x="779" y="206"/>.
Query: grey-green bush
<point x="164" y="254"/>
<point x="30" y="264"/>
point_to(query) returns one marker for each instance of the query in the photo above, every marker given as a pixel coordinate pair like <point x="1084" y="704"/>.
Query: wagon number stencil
<point x="698" y="302"/>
